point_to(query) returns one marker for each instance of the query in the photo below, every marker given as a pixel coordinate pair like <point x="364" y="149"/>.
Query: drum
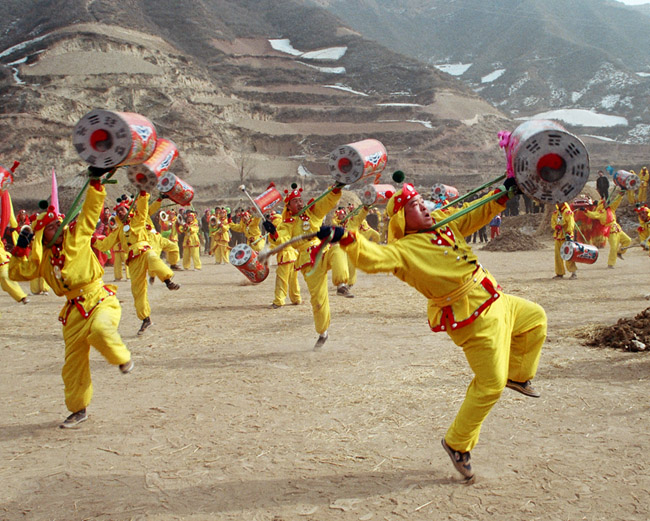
<point x="349" y="163"/>
<point x="625" y="180"/>
<point x="550" y="164"/>
<point x="442" y="192"/>
<point x="146" y="175"/>
<point x="176" y="189"/>
<point x="578" y="252"/>
<point x="269" y="199"/>
<point x="244" y="258"/>
<point x="6" y="178"/>
<point x="376" y="194"/>
<point x="105" y="139"/>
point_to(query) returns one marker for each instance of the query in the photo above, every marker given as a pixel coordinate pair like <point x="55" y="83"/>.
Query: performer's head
<point x="406" y="211"/>
<point x="122" y="207"/>
<point x="293" y="199"/>
<point x="47" y="224"/>
<point x="190" y="216"/>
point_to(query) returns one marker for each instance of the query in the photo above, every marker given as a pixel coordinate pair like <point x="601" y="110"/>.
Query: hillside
<point x="237" y="86"/>
<point x="529" y="56"/>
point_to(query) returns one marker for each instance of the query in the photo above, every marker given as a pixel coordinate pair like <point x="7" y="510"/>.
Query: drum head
<point x="240" y="254"/>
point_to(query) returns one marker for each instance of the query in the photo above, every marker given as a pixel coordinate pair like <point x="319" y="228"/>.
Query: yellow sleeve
<point x="238" y="227"/>
<point x="87" y="219"/>
<point x="23" y="268"/>
<point x="354" y="222"/>
<point x="616" y="202"/>
<point x="141" y="213"/>
<point x="107" y="242"/>
<point x="154" y="207"/>
<point x="321" y="208"/>
<point x="374" y="258"/>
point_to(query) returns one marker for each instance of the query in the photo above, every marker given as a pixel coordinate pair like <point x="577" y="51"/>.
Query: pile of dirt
<point x="628" y="334"/>
<point x="526" y="223"/>
<point x="513" y="240"/>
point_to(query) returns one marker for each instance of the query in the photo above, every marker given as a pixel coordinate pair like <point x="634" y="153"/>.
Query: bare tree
<point x="245" y="166"/>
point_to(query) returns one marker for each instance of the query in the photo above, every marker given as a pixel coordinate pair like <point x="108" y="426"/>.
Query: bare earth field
<point x="230" y="414"/>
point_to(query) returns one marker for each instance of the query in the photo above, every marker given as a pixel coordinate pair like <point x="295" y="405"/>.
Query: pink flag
<point x="55" y="192"/>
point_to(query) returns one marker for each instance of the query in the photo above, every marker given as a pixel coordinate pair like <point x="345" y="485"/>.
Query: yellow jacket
<point x="4" y="255"/>
<point x="220" y="233"/>
<point x="251" y="230"/>
<point x="438" y="264"/>
<point x="78" y="276"/>
<point x="288" y="254"/>
<point x="309" y="221"/>
<point x="191" y="232"/>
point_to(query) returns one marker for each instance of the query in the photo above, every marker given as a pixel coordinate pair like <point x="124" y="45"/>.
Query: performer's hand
<point x="24" y="239"/>
<point x="326" y="231"/>
<point x="509" y="183"/>
<point x="270" y="227"/>
<point x="163" y="195"/>
<point x="95" y="172"/>
<point x="567" y="237"/>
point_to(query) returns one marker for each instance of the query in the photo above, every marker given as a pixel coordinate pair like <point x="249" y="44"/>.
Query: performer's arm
<point x="141" y="212"/>
<point x="371" y="257"/>
<point x="88" y="217"/>
<point x="22" y="267"/>
<point x="481" y="216"/>
<point x="107" y="242"/>
<point x="326" y="204"/>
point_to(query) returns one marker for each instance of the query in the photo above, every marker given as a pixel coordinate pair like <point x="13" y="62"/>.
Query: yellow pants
<point x="38" y="286"/>
<point x="147" y="262"/>
<point x="352" y="270"/>
<point x="643" y="194"/>
<point x="257" y="244"/>
<point x="334" y="259"/>
<point x="10" y="286"/>
<point x="221" y="253"/>
<point x="100" y="331"/>
<point x="559" y="261"/>
<point x="505" y="342"/>
<point x="171" y="249"/>
<point x="286" y="278"/>
<point x="618" y="243"/>
<point x="192" y="254"/>
<point x="119" y="259"/>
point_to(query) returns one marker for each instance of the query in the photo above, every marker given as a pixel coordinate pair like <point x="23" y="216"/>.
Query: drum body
<point x="146" y="175"/>
<point x="244" y="258"/>
<point x="578" y="252"/>
<point x="349" y="163"/>
<point x="176" y="189"/>
<point x="549" y="163"/>
<point x="626" y="180"/>
<point x="106" y="139"/>
<point x="269" y="199"/>
<point x="6" y="178"/>
<point x="442" y="192"/>
<point x="376" y="194"/>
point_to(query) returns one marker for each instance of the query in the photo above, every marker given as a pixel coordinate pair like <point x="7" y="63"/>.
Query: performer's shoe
<point x="152" y="280"/>
<point x="574" y="275"/>
<point x="523" y="388"/>
<point x="611" y="267"/>
<point x="176" y="267"/>
<point x="460" y="460"/>
<point x="24" y="300"/>
<point x="127" y="367"/>
<point x="274" y="306"/>
<point x="171" y="285"/>
<point x="74" y="419"/>
<point x="344" y="291"/>
<point x="559" y="277"/>
<point x="299" y="303"/>
<point x="322" y="338"/>
<point x="620" y="256"/>
<point x="146" y="323"/>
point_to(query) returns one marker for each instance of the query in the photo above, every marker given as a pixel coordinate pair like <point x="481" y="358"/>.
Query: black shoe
<point x="321" y="340"/>
<point x="344" y="291"/>
<point x="146" y="323"/>
<point x="275" y="306"/>
<point x="620" y="256"/>
<point x="176" y="267"/>
<point x="523" y="388"/>
<point x="127" y="367"/>
<point x="74" y="419"/>
<point x="460" y="460"/>
<point x="171" y="285"/>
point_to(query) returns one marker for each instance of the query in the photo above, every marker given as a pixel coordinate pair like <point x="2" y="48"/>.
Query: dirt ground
<point x="230" y="414"/>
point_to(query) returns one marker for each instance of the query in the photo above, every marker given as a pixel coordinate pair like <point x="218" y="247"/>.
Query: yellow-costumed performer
<point x="92" y="312"/>
<point x="563" y="225"/>
<point x="220" y="237"/>
<point x="286" y="276"/>
<point x="191" y="242"/>
<point x="250" y="227"/>
<point x="501" y="335"/>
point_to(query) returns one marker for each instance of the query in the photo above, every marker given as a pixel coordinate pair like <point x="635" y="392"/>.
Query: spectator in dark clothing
<point x="602" y="185"/>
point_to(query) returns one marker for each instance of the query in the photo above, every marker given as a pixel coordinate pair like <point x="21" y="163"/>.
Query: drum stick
<point x="259" y="211"/>
<point x="264" y="256"/>
<point x="336" y="185"/>
<point x="469" y="194"/>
